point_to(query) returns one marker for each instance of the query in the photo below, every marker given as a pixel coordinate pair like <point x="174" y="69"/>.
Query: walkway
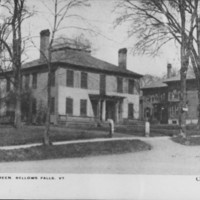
<point x="117" y="136"/>
<point x="166" y="157"/>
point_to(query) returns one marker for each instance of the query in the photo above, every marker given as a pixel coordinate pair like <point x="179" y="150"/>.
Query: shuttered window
<point x="53" y="78"/>
<point x="34" y="81"/>
<point x="131" y="86"/>
<point x="27" y="80"/>
<point x="52" y="108"/>
<point x="69" y="106"/>
<point x="34" y="106"/>
<point x="130" y="110"/>
<point x="84" y="80"/>
<point x="70" y="78"/>
<point x="83" y="107"/>
<point x="119" y="84"/>
<point x="102" y="84"/>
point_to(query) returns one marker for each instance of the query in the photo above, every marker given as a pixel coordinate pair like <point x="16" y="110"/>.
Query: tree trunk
<point x="197" y="68"/>
<point x="198" y="124"/>
<point x="183" y="71"/>
<point x="47" y="126"/>
<point x="47" y="140"/>
<point x="17" y="77"/>
<point x="183" y="102"/>
<point x="17" y="121"/>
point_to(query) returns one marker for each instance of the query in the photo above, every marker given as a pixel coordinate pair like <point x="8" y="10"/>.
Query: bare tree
<point x="11" y="28"/>
<point x="156" y="22"/>
<point x="60" y="10"/>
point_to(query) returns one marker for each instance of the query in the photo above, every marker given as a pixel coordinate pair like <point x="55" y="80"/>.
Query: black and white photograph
<point x="100" y="98"/>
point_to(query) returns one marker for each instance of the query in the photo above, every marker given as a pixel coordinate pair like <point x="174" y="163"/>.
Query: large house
<point x="161" y="100"/>
<point x="83" y="88"/>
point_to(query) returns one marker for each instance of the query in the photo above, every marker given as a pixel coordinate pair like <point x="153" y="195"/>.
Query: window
<point x="174" y="110"/>
<point x="34" y="81"/>
<point x="27" y="79"/>
<point x="84" y="80"/>
<point x="52" y="108"/>
<point x="83" y="107"/>
<point x="70" y="78"/>
<point x="53" y="78"/>
<point x="8" y="85"/>
<point x="102" y="84"/>
<point x="131" y="86"/>
<point x="69" y="106"/>
<point x="130" y="110"/>
<point x="34" y="106"/>
<point x="119" y="84"/>
<point x="170" y="96"/>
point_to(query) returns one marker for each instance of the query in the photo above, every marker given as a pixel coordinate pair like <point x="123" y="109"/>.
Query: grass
<point x="73" y="150"/>
<point x="191" y="141"/>
<point x="34" y="134"/>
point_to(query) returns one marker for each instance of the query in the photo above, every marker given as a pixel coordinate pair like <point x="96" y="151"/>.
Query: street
<point x="166" y="157"/>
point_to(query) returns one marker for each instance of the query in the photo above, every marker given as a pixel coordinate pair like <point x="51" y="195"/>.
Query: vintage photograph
<point x="100" y="87"/>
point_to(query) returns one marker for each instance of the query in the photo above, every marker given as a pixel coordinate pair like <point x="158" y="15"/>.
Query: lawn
<point x="73" y="150"/>
<point x="34" y="134"/>
<point x="191" y="140"/>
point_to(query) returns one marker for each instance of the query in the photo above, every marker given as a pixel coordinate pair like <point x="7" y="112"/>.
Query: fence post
<point x="111" y="125"/>
<point x="147" y="129"/>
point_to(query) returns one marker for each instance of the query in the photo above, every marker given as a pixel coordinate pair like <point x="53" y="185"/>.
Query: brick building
<point x="154" y="102"/>
<point x="160" y="100"/>
<point x="84" y="88"/>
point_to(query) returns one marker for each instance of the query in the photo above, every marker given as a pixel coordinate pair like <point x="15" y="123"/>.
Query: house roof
<point x="83" y="59"/>
<point x="190" y="76"/>
<point x="155" y="84"/>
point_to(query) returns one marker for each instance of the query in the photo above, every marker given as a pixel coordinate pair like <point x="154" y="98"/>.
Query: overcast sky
<point x="101" y="16"/>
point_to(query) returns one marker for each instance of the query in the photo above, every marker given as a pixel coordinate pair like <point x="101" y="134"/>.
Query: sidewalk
<point x="116" y="136"/>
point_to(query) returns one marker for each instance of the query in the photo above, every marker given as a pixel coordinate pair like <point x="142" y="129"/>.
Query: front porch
<point x="107" y="107"/>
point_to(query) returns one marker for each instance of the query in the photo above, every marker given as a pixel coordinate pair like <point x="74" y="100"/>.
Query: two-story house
<point x="174" y="99"/>
<point x="83" y="88"/>
<point x="168" y="106"/>
<point x="154" y="102"/>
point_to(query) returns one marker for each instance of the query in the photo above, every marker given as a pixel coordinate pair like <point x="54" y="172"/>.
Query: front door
<point x="110" y="110"/>
<point x="95" y="107"/>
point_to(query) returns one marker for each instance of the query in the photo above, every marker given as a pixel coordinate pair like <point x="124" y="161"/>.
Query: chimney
<point x="44" y="43"/>
<point x="169" y="70"/>
<point x="122" y="55"/>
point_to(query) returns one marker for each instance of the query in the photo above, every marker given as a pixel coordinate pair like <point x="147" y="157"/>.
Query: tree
<point x="156" y="22"/>
<point x="60" y="13"/>
<point x="11" y="27"/>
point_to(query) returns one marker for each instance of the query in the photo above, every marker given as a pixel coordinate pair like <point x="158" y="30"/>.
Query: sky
<point x="107" y="42"/>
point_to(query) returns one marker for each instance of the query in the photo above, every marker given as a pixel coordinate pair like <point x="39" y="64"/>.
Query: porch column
<point x="117" y="111"/>
<point x="103" y="110"/>
<point x="99" y="110"/>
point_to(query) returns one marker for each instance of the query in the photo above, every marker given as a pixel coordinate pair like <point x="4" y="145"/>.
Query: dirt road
<point x="166" y="157"/>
